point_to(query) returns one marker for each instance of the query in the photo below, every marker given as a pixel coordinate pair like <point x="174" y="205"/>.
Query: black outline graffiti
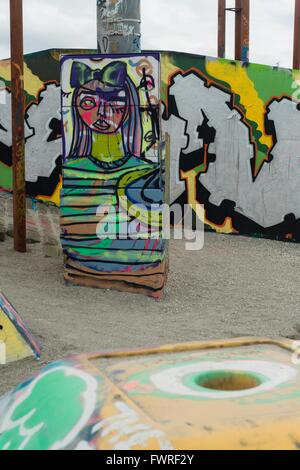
<point x="289" y="229"/>
<point x="44" y="186"/>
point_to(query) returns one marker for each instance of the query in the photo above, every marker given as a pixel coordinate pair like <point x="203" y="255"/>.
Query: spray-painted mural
<point x="235" y="139"/>
<point x="113" y="180"/>
<point x="42" y="125"/>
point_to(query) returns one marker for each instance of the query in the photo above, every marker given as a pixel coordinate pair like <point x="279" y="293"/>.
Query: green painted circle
<point x="224" y="381"/>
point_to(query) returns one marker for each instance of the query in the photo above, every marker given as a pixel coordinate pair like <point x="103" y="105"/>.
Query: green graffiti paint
<point x="61" y="394"/>
<point x="5" y="177"/>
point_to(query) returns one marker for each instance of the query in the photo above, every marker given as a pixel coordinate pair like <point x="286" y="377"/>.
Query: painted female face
<point x="101" y="108"/>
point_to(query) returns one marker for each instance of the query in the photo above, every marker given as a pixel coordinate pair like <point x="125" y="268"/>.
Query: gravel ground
<point x="235" y="286"/>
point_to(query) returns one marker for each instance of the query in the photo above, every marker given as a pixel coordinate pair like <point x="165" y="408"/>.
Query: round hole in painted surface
<point x="227" y="381"/>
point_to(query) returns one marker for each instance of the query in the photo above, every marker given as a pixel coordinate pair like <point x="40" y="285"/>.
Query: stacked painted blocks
<point x="113" y="177"/>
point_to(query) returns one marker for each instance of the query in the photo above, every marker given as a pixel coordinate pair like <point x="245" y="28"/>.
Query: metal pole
<point x="119" y="26"/>
<point x="102" y="33"/>
<point x="296" y="59"/>
<point x="242" y="40"/>
<point x="222" y="28"/>
<point x="18" y="141"/>
<point x="238" y="33"/>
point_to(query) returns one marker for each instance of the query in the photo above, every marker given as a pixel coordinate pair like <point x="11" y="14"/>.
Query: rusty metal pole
<point x="245" y="30"/>
<point x="222" y="28"/>
<point x="18" y="140"/>
<point x="238" y="35"/>
<point x="242" y="28"/>
<point x="296" y="59"/>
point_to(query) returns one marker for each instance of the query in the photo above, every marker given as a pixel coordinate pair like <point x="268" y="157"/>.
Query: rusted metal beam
<point x="242" y="28"/>
<point x="238" y="32"/>
<point x="296" y="58"/>
<point x="18" y="107"/>
<point x="222" y="28"/>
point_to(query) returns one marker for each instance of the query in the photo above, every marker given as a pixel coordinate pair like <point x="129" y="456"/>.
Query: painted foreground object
<point x="239" y="394"/>
<point x="16" y="341"/>
<point x="113" y="173"/>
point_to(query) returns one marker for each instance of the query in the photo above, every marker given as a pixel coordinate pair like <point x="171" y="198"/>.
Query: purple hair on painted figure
<point x="132" y="131"/>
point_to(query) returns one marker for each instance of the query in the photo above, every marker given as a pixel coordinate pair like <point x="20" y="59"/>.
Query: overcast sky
<point x="181" y="25"/>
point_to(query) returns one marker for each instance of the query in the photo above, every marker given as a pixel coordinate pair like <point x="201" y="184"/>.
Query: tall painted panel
<point x="113" y="173"/>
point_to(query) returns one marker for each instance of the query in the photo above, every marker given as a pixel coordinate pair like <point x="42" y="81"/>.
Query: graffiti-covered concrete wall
<point x="42" y="125"/>
<point x="235" y="139"/>
<point x="235" y="134"/>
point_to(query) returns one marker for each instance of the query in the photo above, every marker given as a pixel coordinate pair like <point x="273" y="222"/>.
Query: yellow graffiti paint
<point x="236" y="76"/>
<point x="296" y="75"/>
<point x="15" y="347"/>
<point x="55" y="197"/>
<point x="190" y="180"/>
<point x="32" y="83"/>
<point x="217" y="395"/>
<point x="167" y="68"/>
<point x="106" y="147"/>
<point x="5" y="70"/>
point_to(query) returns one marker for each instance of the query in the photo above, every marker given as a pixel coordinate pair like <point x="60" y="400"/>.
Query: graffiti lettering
<point x="217" y="157"/>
